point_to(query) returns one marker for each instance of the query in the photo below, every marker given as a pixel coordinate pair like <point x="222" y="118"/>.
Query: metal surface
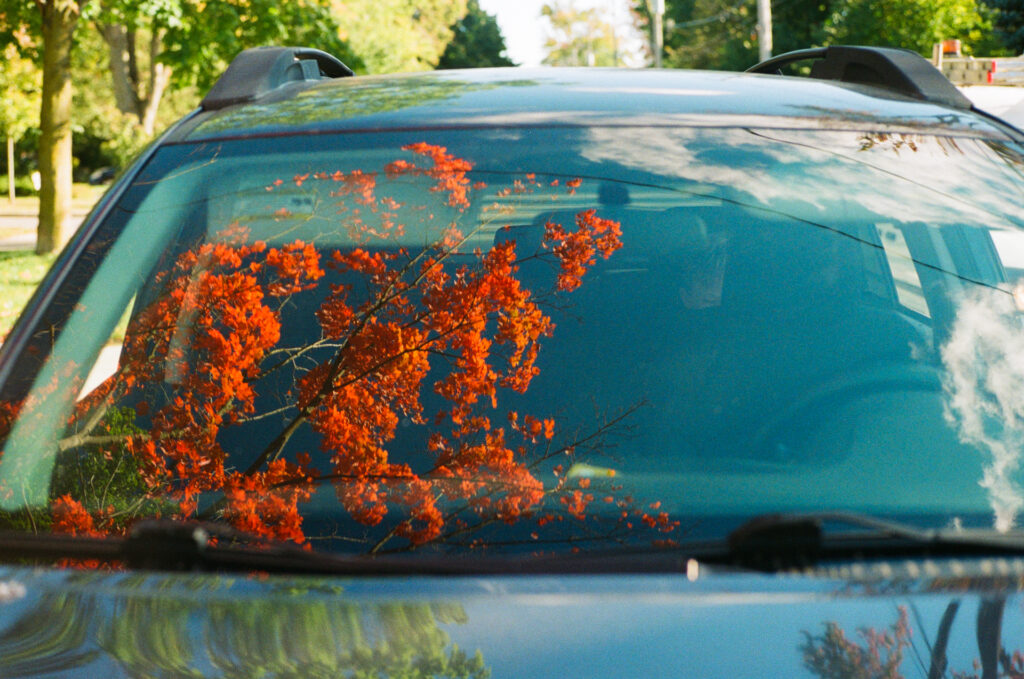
<point x="701" y="623"/>
<point x="544" y="97"/>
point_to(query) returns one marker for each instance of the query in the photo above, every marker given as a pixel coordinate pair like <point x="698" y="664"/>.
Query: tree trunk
<point x="939" y="661"/>
<point x="159" y="78"/>
<point x="990" y="635"/>
<point x="125" y="95"/>
<point x="59" y="18"/>
<point x="127" y="80"/>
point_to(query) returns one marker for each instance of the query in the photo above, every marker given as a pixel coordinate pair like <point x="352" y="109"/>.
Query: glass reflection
<point x="984" y="363"/>
<point x="199" y="625"/>
<point x="786" y="322"/>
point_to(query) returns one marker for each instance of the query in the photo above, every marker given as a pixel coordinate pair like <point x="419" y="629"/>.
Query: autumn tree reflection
<point x="834" y="655"/>
<point x="310" y="359"/>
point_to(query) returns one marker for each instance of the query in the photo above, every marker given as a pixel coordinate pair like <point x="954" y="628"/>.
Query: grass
<point x="20" y="273"/>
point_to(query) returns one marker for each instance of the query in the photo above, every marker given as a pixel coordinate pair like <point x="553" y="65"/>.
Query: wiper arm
<point x="773" y="542"/>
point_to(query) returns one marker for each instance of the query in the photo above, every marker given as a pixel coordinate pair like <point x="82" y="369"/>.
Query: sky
<point x="525" y="30"/>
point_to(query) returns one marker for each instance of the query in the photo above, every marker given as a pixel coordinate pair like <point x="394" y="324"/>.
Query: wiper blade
<point x="167" y="545"/>
<point x="773" y="542"/>
<point x="191" y="546"/>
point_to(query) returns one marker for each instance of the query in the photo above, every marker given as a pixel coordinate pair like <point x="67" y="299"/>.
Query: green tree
<point x="154" y="43"/>
<point x="50" y="27"/>
<point x="133" y="33"/>
<point x="187" y="40"/>
<point x="398" y="35"/>
<point x="721" y="34"/>
<point x="912" y="24"/>
<point x="710" y="34"/>
<point x="201" y="43"/>
<point x="1009" y="23"/>
<point x="19" y="90"/>
<point x="476" y="42"/>
<point x="578" y="37"/>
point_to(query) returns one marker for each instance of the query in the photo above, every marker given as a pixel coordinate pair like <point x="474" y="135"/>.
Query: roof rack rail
<point x="259" y="70"/>
<point x="897" y="70"/>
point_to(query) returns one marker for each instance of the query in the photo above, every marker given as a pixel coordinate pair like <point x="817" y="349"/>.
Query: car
<point x="102" y="175"/>
<point x="547" y="373"/>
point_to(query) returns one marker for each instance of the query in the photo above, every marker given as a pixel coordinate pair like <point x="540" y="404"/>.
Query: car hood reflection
<point x="702" y="624"/>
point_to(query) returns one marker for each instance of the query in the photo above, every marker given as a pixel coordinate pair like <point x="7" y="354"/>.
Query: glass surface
<point x="535" y="339"/>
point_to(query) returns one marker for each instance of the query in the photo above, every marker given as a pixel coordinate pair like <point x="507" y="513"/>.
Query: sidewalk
<point x="18" y="230"/>
<point x="19" y="220"/>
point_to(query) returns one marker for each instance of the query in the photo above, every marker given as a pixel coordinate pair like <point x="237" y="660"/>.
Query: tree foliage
<point x="912" y="24"/>
<point x="578" y="37"/>
<point x="397" y="35"/>
<point x="20" y="91"/>
<point x="721" y="34"/>
<point x="834" y="655"/>
<point x="1009" y="23"/>
<point x="154" y="43"/>
<point x="208" y="35"/>
<point x="476" y="42"/>
<point x="710" y="34"/>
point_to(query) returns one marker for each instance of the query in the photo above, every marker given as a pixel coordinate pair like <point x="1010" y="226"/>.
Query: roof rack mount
<point x="259" y="70"/>
<point x="897" y="70"/>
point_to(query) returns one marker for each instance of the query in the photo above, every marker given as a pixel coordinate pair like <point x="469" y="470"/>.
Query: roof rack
<point x="259" y="70"/>
<point x="893" y="69"/>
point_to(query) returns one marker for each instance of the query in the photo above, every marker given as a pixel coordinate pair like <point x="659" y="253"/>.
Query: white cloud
<point x="984" y="360"/>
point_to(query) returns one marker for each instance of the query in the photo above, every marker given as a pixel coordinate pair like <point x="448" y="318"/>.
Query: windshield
<point x="533" y="339"/>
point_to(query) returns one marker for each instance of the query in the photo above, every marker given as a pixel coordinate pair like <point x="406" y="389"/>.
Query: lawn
<point x="20" y="273"/>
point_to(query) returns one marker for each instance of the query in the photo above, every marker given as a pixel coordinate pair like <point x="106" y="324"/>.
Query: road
<point x="18" y="231"/>
<point x="1005" y="102"/>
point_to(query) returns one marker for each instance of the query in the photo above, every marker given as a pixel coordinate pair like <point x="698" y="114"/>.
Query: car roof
<point x="581" y="96"/>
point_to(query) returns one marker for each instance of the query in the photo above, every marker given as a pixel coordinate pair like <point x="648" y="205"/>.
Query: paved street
<point x="18" y="231"/>
<point x="1005" y="102"/>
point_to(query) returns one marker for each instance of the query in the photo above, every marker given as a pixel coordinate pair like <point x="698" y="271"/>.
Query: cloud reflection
<point x="840" y="174"/>
<point x="984" y="361"/>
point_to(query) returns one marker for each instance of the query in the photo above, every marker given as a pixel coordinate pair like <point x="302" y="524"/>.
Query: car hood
<point x="75" y="623"/>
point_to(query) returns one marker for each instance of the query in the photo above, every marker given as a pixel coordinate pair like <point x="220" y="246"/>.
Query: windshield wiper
<point x="167" y="545"/>
<point x="773" y="542"/>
